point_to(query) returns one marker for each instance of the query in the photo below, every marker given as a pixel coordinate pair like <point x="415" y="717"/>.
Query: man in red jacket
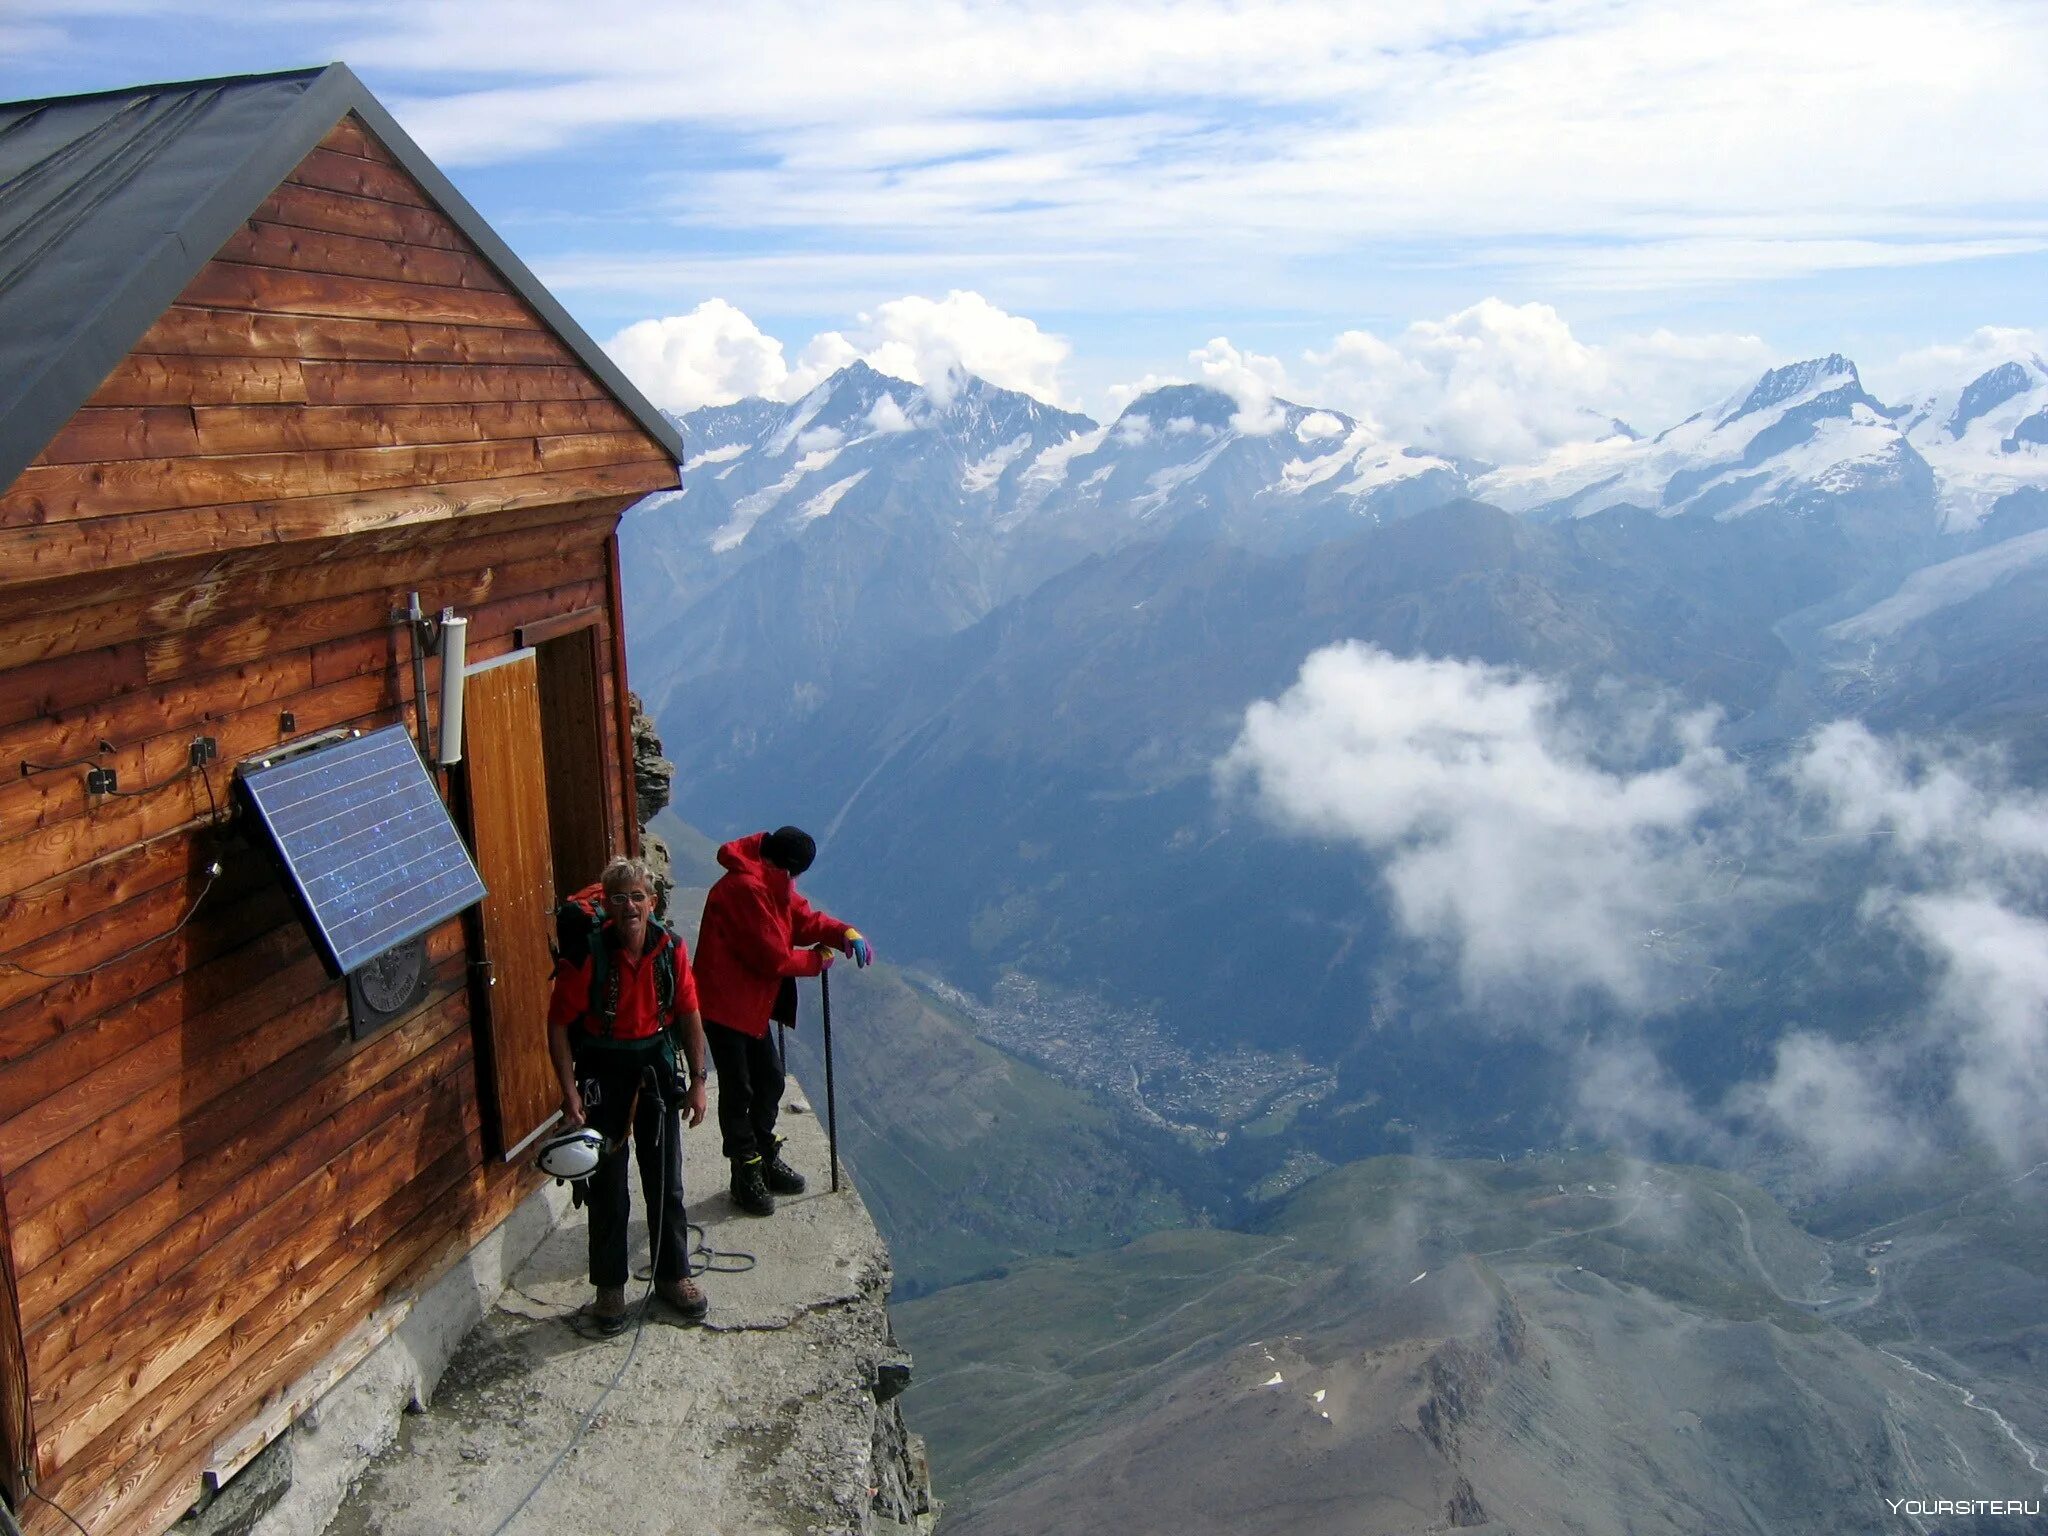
<point x="756" y="931"/>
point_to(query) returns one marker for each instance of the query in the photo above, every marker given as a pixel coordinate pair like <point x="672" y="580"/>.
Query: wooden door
<point x="508" y="813"/>
<point x="572" y="741"/>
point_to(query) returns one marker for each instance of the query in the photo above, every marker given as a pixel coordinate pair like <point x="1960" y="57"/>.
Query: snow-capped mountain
<point x="1801" y="434"/>
<point x="1182" y="459"/>
<point x="1985" y="440"/>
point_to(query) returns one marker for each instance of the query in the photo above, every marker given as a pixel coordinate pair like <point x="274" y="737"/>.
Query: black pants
<point x="749" y="1091"/>
<point x="610" y="1078"/>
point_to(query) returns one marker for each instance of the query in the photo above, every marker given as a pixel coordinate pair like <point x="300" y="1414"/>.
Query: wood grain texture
<point x="196" y="583"/>
<point x="288" y="428"/>
<point x="190" y="330"/>
<point x="278" y="290"/>
<point x="231" y="1169"/>
<point x="246" y="1211"/>
<point x="58" y="551"/>
<point x="311" y="250"/>
<point x="359" y="177"/>
<point x="40" y="1097"/>
<point x="123" y="432"/>
<point x="229" y="589"/>
<point x="507" y="799"/>
<point x="146" y="379"/>
<point x="67" y="492"/>
<point x="111" y="955"/>
<point x="119" y="1420"/>
<point x="84" y="1383"/>
<point x="308" y="207"/>
<point x="443" y="383"/>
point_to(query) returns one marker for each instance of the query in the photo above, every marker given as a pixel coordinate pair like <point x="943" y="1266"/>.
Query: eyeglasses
<point x="635" y="898"/>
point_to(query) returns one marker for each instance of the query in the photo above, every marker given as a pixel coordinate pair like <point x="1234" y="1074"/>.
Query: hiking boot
<point x="685" y="1297"/>
<point x="750" y="1188"/>
<point x="608" y="1312"/>
<point x="780" y="1178"/>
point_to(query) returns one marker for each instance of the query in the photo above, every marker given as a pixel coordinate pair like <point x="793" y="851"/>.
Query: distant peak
<point x="1991" y="389"/>
<point x="1794" y="380"/>
<point x="1195" y="402"/>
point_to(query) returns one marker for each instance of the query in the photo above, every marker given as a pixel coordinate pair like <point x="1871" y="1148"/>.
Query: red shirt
<point x="571" y="1003"/>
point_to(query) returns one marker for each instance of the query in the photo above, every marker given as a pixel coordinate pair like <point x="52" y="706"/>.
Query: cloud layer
<point x="1497" y="382"/>
<point x="1291" y="128"/>
<point x="1559" y="857"/>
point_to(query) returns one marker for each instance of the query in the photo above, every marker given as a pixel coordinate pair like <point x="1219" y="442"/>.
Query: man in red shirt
<point x="615" y="1021"/>
<point x="756" y="931"/>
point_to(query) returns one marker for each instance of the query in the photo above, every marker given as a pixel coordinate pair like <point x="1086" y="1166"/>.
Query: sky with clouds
<point x="1499" y="212"/>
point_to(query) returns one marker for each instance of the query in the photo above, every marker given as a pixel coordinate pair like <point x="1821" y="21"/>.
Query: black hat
<point x="789" y="848"/>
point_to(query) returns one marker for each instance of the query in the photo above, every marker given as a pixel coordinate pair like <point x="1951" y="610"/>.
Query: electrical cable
<point x="36" y="1493"/>
<point x="213" y="872"/>
<point x="104" y="749"/>
<point x="149" y="789"/>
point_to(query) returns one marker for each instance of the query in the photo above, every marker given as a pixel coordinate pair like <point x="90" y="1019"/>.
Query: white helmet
<point x="571" y="1154"/>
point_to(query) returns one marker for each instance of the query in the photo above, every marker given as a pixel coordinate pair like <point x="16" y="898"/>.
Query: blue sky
<point x="1431" y="210"/>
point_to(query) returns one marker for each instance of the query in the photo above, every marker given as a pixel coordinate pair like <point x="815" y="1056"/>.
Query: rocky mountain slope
<point x="1548" y="1345"/>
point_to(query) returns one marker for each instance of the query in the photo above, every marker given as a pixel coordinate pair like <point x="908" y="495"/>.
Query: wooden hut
<point x="264" y="374"/>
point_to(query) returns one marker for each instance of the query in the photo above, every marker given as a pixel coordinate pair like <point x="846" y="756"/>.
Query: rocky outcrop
<point x="653" y="777"/>
<point x="1460" y="1371"/>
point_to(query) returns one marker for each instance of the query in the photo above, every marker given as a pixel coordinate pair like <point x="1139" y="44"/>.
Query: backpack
<point x="579" y="928"/>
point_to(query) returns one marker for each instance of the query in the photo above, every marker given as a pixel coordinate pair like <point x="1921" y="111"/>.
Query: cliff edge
<point x="778" y="1417"/>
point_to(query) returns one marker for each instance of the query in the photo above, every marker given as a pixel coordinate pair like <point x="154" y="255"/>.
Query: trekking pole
<point x="831" y="1106"/>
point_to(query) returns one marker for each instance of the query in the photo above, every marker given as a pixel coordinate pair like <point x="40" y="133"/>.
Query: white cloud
<point x="1943" y="365"/>
<point x="1837" y="1102"/>
<point x="716" y="354"/>
<point x="887" y="417"/>
<point x="1962" y="874"/>
<point x="1291" y="129"/>
<point x="1523" y="838"/>
<point x="1627" y="1096"/>
<point x="711" y="356"/>
<point x="932" y="342"/>
<point x="1318" y="425"/>
<point x="1506" y="383"/>
<point x="1118" y="397"/>
<point x="1250" y="380"/>
<point x="1500" y="833"/>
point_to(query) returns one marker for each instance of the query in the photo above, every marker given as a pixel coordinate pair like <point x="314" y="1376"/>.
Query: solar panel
<point x="366" y="843"/>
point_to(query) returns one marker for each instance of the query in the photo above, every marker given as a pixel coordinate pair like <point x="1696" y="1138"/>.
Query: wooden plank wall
<point x="207" y="1183"/>
<point x="347" y="361"/>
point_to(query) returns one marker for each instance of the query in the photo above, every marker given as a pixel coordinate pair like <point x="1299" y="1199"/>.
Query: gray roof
<point x="111" y="203"/>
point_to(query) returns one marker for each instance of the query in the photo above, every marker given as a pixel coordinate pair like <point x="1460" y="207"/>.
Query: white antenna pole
<point x="454" y="653"/>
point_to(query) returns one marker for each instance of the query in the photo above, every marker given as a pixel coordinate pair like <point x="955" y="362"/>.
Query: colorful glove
<point x="858" y="947"/>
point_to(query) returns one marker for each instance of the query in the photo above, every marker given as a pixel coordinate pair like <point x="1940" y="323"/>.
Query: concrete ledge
<point x="350" y="1406"/>
<point x="773" y="1419"/>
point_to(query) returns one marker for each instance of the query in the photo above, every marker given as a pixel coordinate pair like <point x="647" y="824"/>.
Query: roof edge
<point x="309" y="72"/>
<point x="45" y="401"/>
<point x="529" y="287"/>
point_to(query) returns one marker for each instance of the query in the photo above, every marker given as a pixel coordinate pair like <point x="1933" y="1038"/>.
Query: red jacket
<point x="756" y="931"/>
<point x="639" y="1014"/>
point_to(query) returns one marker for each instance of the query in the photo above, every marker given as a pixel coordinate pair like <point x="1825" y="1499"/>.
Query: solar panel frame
<point x="366" y="845"/>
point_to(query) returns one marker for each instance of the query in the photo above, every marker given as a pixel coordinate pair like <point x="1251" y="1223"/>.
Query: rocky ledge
<point x="778" y="1417"/>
